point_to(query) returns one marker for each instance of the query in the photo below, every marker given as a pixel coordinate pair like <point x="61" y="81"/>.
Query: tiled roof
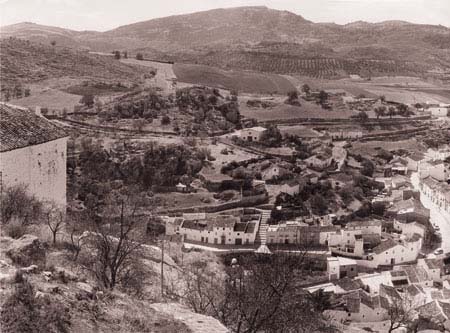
<point x="386" y="245"/>
<point x="348" y="284"/>
<point x="21" y="128"/>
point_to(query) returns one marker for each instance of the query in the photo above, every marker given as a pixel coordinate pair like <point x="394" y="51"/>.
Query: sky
<point x="103" y="15"/>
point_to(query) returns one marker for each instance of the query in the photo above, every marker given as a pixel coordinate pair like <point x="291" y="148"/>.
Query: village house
<point x="30" y="140"/>
<point x="436" y="169"/>
<point x="437" y="192"/>
<point x="252" y="134"/>
<point x="318" y="161"/>
<point x="219" y="229"/>
<point x="409" y="229"/>
<point x="410" y="210"/>
<point x="341" y="267"/>
<point x="299" y="233"/>
<point x="414" y="161"/>
<point x="360" y="306"/>
<point x="394" y="252"/>
<point x="273" y="171"/>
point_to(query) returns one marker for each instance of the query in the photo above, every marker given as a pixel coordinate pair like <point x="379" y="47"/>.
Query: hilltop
<point x="260" y="38"/>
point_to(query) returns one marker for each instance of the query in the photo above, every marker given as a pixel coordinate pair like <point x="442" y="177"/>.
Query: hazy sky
<point x="108" y="14"/>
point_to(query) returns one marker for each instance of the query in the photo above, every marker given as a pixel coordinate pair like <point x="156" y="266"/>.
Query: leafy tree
<point x="87" y="100"/>
<point x="18" y="204"/>
<point x="362" y="116"/>
<point x="117" y="55"/>
<point x="165" y="120"/>
<point x="125" y="54"/>
<point x="318" y="204"/>
<point x="27" y="92"/>
<point x="367" y="168"/>
<point x="271" y="137"/>
<point x="306" y="89"/>
<point x="380" y="111"/>
<point x="139" y="56"/>
<point x="391" y="111"/>
<point x="323" y="97"/>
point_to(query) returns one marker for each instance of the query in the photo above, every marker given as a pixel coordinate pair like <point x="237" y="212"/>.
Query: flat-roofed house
<point x="33" y="152"/>
<point x="219" y="230"/>
<point x="253" y="133"/>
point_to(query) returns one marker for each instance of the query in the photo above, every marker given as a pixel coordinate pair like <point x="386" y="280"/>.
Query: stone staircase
<point x="262" y="231"/>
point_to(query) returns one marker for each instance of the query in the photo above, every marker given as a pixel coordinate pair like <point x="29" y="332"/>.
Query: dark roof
<point x="389" y="291"/>
<point x="348" y="284"/>
<point x="413" y="290"/>
<point x="251" y="226"/>
<point x="416" y="157"/>
<point x="21" y="128"/>
<point x="385" y="245"/>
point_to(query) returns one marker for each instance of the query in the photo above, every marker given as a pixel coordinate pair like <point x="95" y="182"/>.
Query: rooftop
<point x="21" y="128"/>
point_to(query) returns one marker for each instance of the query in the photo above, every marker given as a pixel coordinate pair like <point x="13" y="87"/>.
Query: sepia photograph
<point x="225" y="166"/>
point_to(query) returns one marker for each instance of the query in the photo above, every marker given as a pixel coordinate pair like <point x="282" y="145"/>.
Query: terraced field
<point x="242" y="81"/>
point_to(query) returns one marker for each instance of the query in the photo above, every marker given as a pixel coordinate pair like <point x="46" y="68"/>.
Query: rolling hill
<point x="263" y="39"/>
<point x="23" y="61"/>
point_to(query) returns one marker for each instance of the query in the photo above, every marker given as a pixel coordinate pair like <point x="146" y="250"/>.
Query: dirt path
<point x="164" y="77"/>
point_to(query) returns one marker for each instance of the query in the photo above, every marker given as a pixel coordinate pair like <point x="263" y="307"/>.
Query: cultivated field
<point x="242" y="81"/>
<point x="286" y="112"/>
<point x="48" y="98"/>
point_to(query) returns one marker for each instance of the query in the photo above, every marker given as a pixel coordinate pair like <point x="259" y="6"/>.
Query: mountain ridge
<point x="267" y="33"/>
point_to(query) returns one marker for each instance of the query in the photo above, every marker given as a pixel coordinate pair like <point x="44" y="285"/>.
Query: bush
<point x="165" y="120"/>
<point x="15" y="229"/>
<point x="23" y="312"/>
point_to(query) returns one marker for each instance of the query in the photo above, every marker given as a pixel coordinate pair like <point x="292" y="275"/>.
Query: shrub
<point x="165" y="120"/>
<point x="23" y="312"/>
<point x="15" y="229"/>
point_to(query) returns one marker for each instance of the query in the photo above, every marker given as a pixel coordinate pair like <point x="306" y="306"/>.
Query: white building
<point x="219" y="230"/>
<point x="33" y="152"/>
<point x="253" y="133"/>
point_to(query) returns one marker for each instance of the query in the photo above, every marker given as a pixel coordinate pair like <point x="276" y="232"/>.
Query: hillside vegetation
<point x="24" y="61"/>
<point x="259" y="38"/>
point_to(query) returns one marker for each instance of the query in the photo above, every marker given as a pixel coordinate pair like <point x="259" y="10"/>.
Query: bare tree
<point x="116" y="239"/>
<point x="259" y="294"/>
<point x="401" y="312"/>
<point x="76" y="225"/>
<point x="55" y="219"/>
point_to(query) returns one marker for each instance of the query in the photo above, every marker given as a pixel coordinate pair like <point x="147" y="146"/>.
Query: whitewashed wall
<point x="41" y="167"/>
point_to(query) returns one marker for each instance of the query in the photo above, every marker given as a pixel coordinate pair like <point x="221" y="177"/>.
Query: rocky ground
<point x="78" y="303"/>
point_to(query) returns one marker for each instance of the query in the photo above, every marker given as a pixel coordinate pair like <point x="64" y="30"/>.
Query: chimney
<point x="38" y="111"/>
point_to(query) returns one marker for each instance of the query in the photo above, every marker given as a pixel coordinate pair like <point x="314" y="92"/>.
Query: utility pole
<point x="162" y="267"/>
